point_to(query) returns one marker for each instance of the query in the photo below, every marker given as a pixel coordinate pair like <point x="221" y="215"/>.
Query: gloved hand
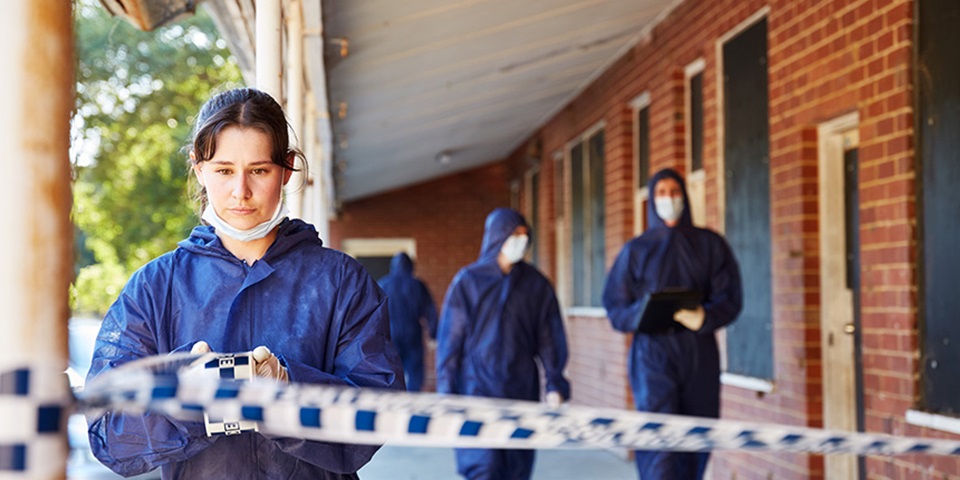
<point x="267" y="365"/>
<point x="553" y="399"/>
<point x="200" y="347"/>
<point x="692" y="319"/>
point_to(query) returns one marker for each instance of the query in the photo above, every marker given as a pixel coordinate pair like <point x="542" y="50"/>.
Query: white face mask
<point x="514" y="248"/>
<point x="255" y="233"/>
<point x="669" y="208"/>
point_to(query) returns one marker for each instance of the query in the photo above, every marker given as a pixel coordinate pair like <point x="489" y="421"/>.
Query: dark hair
<point x="246" y="108"/>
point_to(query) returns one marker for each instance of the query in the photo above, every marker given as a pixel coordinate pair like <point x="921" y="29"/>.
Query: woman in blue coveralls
<point x="500" y="315"/>
<point x="676" y="370"/>
<point x="249" y="278"/>
<point x="410" y="301"/>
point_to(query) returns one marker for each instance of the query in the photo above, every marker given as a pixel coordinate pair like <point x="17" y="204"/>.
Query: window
<point x="587" y="203"/>
<point x="939" y="197"/>
<point x="746" y="151"/>
<point x="532" y="204"/>
<point x="515" y="195"/>
<point x="696" y="178"/>
<point x="695" y="88"/>
<point x="560" y="225"/>
<point x="641" y="149"/>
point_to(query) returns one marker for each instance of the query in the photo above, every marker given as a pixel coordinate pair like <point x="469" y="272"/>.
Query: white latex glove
<point x="200" y="347"/>
<point x="267" y="365"/>
<point x="553" y="399"/>
<point x="692" y="319"/>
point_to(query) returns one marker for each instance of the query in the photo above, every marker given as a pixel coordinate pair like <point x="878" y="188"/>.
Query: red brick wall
<point x="827" y="58"/>
<point x="444" y="216"/>
<point x="597" y="368"/>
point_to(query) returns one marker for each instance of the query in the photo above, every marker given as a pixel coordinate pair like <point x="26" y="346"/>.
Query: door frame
<point x="378" y="247"/>
<point x="837" y="311"/>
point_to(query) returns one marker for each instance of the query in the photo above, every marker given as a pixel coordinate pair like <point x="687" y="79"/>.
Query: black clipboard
<point x="657" y="317"/>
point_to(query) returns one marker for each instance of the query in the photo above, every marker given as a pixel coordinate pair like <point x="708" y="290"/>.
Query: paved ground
<point x="412" y="463"/>
<point x="407" y="463"/>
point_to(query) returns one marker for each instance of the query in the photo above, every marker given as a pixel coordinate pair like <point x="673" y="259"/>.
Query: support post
<point x="37" y="94"/>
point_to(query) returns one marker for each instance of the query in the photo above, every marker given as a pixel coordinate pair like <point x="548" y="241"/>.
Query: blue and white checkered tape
<point x="34" y="405"/>
<point x="352" y="415"/>
<point x="369" y="416"/>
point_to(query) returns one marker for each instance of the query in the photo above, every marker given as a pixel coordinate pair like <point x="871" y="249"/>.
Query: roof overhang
<point x="424" y="88"/>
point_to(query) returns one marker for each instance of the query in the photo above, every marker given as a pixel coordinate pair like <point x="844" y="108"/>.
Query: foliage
<point x="137" y="93"/>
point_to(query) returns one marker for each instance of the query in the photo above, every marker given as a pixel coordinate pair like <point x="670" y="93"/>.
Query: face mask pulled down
<point x="514" y="248"/>
<point x="248" y="235"/>
<point x="669" y="208"/>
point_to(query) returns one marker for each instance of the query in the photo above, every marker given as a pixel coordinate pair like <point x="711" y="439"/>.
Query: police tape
<point x="167" y="386"/>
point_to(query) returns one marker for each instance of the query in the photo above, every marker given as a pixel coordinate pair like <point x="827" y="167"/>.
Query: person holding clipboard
<point x="672" y="288"/>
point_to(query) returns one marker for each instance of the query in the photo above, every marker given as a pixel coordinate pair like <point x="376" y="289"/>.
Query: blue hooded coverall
<point x="315" y="308"/>
<point x="677" y="371"/>
<point x="409" y="301"/>
<point x="493" y="327"/>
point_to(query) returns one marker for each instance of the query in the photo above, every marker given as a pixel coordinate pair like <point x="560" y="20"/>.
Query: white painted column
<point x="296" y="189"/>
<point x="36" y="91"/>
<point x="311" y="152"/>
<point x="269" y="48"/>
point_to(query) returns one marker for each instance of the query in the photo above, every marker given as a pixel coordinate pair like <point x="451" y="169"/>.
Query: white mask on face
<point x="255" y="233"/>
<point x="514" y="248"/>
<point x="669" y="208"/>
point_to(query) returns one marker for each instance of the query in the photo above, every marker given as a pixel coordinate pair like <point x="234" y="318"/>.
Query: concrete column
<point x="36" y="92"/>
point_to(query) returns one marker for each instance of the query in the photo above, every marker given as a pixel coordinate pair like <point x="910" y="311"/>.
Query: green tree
<point x="137" y="95"/>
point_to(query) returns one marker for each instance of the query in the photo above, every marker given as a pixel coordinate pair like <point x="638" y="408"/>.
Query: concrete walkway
<point x="415" y="463"/>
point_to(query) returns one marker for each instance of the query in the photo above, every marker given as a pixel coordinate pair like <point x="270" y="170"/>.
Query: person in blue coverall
<point x="676" y="370"/>
<point x="410" y="301"/>
<point x="500" y="315"/>
<point x="249" y="278"/>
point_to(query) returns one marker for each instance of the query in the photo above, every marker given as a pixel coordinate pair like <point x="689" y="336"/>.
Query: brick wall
<point x="597" y="368"/>
<point x="444" y="216"/>
<point x="826" y="58"/>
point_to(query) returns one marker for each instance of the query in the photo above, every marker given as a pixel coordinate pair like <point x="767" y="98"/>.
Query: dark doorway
<point x="851" y="195"/>
<point x="377" y="267"/>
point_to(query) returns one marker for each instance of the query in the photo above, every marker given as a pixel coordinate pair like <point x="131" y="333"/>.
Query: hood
<point x="401" y="263"/>
<point x="499" y="226"/>
<point x="292" y="232"/>
<point x="654" y="220"/>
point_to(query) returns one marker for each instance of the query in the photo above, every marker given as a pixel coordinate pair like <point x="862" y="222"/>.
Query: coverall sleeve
<point x="365" y="357"/>
<point x="726" y="292"/>
<point x="128" y="443"/>
<point x="451" y="334"/>
<point x="622" y="304"/>
<point x="553" y="347"/>
<point x="429" y="310"/>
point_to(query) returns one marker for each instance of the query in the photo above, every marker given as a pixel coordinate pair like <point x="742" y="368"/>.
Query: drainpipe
<point x="37" y="95"/>
<point x="297" y="187"/>
<point x="269" y="48"/>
